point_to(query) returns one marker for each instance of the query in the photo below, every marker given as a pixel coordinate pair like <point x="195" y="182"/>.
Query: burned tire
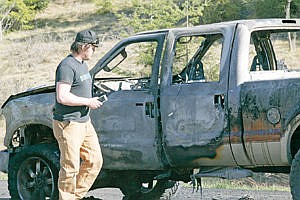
<point x="295" y="177"/>
<point x="33" y="173"/>
<point x="154" y="190"/>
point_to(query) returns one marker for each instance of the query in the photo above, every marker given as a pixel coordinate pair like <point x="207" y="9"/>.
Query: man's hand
<point x="65" y="97"/>
<point x="94" y="103"/>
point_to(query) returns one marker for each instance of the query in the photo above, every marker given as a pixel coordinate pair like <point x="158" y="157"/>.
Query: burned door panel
<point x="193" y="123"/>
<point x="127" y="123"/>
<point x="193" y="106"/>
<point x="126" y="132"/>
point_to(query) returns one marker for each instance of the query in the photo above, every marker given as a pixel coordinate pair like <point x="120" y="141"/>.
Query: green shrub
<point x="104" y="6"/>
<point x="37" y="4"/>
<point x="18" y="14"/>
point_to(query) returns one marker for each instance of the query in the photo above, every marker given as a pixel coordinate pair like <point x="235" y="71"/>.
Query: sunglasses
<point x="95" y="43"/>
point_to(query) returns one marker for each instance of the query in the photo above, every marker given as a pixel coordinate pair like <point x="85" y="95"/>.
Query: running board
<point x="225" y="173"/>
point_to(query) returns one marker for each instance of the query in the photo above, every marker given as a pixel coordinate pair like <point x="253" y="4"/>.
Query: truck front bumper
<point x="4" y="158"/>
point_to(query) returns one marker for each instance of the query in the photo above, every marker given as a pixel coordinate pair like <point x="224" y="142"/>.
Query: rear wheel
<point x="33" y="172"/>
<point x="295" y="177"/>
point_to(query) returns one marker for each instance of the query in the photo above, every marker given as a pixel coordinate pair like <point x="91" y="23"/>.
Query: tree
<point x="295" y="8"/>
<point x="226" y="10"/>
<point x="276" y="9"/>
<point x="160" y="14"/>
<point x="154" y="14"/>
<point x="193" y="11"/>
<point x="292" y="42"/>
<point x="5" y="9"/>
<point x="18" y="14"/>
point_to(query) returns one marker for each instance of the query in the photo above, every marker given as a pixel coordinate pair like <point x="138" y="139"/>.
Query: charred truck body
<point x="220" y="99"/>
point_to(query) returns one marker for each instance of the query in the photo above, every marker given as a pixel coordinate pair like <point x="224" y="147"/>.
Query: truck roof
<point x="251" y="23"/>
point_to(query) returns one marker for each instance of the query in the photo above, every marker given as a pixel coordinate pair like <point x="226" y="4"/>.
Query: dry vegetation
<point x="29" y="58"/>
<point x="259" y="181"/>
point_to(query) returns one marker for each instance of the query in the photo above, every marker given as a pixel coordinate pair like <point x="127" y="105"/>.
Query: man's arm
<point x="65" y="97"/>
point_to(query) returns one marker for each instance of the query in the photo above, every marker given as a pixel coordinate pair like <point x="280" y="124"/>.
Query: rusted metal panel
<point x="266" y="107"/>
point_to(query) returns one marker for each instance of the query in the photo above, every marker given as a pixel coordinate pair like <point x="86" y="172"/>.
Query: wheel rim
<point x="35" y="179"/>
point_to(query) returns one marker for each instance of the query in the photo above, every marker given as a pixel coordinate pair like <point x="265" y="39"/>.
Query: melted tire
<point x="163" y="189"/>
<point x="295" y="177"/>
<point x="33" y="173"/>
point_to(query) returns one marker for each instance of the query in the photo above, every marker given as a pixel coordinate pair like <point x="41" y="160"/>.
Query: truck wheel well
<point x="295" y="142"/>
<point x="31" y="134"/>
<point x="37" y="133"/>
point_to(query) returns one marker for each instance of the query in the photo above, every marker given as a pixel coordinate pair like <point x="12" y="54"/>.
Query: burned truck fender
<point x="28" y="119"/>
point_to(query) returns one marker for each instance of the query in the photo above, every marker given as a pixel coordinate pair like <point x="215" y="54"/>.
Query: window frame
<point x="199" y="53"/>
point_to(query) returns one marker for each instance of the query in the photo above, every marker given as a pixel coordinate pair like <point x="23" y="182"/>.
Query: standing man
<point x="72" y="126"/>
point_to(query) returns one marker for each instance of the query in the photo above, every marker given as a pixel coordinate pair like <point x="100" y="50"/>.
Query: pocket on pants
<point x="59" y="127"/>
<point x="64" y="125"/>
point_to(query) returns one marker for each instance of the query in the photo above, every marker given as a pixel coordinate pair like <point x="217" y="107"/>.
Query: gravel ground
<point x="184" y="193"/>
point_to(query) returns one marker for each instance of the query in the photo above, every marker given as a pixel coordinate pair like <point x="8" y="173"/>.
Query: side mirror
<point x="106" y="68"/>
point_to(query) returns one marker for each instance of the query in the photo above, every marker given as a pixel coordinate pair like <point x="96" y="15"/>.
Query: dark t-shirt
<point x="76" y="74"/>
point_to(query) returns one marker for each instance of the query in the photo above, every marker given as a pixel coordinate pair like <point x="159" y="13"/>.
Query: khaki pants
<point x="77" y="140"/>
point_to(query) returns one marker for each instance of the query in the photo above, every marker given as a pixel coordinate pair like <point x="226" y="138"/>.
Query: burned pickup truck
<point x="219" y="100"/>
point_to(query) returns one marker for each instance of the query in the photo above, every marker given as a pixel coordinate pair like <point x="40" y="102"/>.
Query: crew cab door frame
<point x="127" y="124"/>
<point x="194" y="115"/>
<point x="267" y="103"/>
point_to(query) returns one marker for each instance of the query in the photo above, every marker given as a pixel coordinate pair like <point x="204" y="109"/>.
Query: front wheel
<point x="295" y="177"/>
<point x="33" y="173"/>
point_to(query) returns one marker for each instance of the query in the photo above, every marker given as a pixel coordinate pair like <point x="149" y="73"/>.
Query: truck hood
<point x="39" y="90"/>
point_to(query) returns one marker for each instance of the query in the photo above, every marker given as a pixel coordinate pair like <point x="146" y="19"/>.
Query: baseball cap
<point x="88" y="37"/>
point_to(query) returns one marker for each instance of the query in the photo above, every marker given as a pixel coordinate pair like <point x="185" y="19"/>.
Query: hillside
<point x="29" y="58"/>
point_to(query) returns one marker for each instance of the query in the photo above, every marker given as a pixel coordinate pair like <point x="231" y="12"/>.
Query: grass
<point x="243" y="184"/>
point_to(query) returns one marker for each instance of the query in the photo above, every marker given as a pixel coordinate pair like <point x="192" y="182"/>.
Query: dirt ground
<point x="184" y="193"/>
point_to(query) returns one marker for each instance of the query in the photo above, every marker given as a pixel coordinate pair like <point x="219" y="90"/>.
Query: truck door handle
<point x="149" y="109"/>
<point x="219" y="101"/>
